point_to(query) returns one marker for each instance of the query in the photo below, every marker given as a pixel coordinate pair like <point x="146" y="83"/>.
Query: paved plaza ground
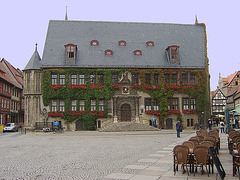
<point x="94" y="155"/>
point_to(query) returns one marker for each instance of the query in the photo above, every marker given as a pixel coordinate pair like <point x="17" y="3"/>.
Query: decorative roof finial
<point x="36" y="47"/>
<point x="66" y="17"/>
<point x="196" y="19"/>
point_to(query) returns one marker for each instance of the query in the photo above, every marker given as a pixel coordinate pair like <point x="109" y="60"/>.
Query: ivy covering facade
<point x="161" y="91"/>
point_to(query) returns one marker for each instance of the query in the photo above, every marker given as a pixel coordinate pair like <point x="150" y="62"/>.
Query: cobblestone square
<point x="78" y="155"/>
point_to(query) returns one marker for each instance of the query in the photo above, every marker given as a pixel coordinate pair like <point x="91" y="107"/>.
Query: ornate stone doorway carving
<point x="126" y="114"/>
<point x="126" y="102"/>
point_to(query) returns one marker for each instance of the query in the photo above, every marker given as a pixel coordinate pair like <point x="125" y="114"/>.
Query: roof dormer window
<point x="122" y="43"/>
<point x="137" y="52"/>
<point x="150" y="44"/>
<point x="94" y="43"/>
<point x="173" y="55"/>
<point x="174" y="52"/>
<point x="70" y="50"/>
<point x="108" y="52"/>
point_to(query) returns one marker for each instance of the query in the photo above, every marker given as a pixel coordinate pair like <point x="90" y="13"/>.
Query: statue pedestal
<point x="137" y="120"/>
<point x="115" y="119"/>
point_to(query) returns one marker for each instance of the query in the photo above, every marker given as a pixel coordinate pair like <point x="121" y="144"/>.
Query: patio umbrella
<point x="227" y="118"/>
<point x="237" y="110"/>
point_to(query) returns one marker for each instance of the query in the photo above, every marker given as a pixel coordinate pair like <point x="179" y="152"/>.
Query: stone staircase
<point x="127" y="126"/>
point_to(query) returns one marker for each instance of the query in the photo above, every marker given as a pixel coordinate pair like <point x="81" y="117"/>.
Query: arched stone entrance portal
<point x="126" y="114"/>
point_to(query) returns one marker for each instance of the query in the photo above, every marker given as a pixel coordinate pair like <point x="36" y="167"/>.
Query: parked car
<point x="11" y="127"/>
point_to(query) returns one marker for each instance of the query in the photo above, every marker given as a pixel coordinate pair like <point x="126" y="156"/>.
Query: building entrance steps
<point x="127" y="126"/>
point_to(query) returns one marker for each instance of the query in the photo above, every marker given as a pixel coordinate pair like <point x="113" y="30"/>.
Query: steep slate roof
<point x="34" y="62"/>
<point x="227" y="80"/>
<point x="15" y="76"/>
<point x="190" y="38"/>
<point x="3" y="74"/>
<point x="214" y="92"/>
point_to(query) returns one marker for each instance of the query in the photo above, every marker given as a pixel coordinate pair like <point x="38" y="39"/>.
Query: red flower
<point x="173" y="111"/>
<point x="56" y="86"/>
<point x="97" y="113"/>
<point x="116" y="86"/>
<point x="76" y="86"/>
<point x="76" y="113"/>
<point x="100" y="86"/>
<point x="157" y="113"/>
<point x="92" y="86"/>
<point x="167" y="86"/>
<point x="136" y="86"/>
<point x="56" y="114"/>
<point x="189" y="111"/>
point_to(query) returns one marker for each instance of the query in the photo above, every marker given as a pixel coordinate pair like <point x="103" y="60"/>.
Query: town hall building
<point x="93" y="74"/>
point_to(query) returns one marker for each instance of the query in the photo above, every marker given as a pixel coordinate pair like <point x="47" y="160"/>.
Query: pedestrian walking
<point x="153" y="121"/>
<point x="210" y="124"/>
<point x="178" y="128"/>
<point x="222" y="126"/>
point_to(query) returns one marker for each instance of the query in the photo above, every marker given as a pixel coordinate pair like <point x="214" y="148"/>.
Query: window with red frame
<point x="108" y="52"/>
<point x="138" y="53"/>
<point x="150" y="44"/>
<point x="122" y="43"/>
<point x="94" y="43"/>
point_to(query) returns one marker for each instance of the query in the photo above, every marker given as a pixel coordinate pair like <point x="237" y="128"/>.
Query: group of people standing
<point x="222" y="125"/>
<point x="179" y="128"/>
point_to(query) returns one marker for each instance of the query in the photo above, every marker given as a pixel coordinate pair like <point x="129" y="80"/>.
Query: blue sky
<point x="25" y="22"/>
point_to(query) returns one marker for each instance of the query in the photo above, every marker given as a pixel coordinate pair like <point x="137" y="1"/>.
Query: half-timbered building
<point x="219" y="101"/>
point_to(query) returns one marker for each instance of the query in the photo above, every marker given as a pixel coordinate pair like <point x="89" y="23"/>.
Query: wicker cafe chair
<point x="236" y="149"/>
<point x="231" y="130"/>
<point x="236" y="160"/>
<point x="232" y="140"/>
<point x="210" y="160"/>
<point x="238" y="146"/>
<point x="203" y="130"/>
<point x="201" y="157"/>
<point x="216" y="142"/>
<point x="200" y="138"/>
<point x="190" y="145"/>
<point x="202" y="133"/>
<point x="235" y="139"/>
<point x="207" y="143"/>
<point x="215" y="133"/>
<point x="181" y="156"/>
<point x="195" y="141"/>
<point x="198" y="133"/>
<point x="214" y="130"/>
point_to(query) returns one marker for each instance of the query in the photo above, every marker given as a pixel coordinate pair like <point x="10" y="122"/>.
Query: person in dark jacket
<point x="178" y="128"/>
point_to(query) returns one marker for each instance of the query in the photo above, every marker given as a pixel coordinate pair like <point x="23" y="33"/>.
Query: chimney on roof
<point x="66" y="17"/>
<point x="196" y="19"/>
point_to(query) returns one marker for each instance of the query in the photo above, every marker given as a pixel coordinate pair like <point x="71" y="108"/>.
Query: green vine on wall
<point x="161" y="91"/>
<point x="68" y="92"/>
